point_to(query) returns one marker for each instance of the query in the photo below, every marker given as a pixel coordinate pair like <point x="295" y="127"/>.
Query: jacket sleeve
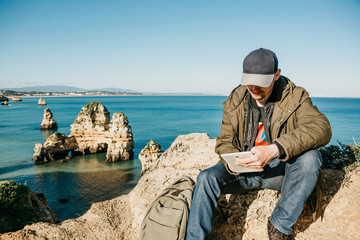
<point x="224" y="142"/>
<point x="313" y="129"/>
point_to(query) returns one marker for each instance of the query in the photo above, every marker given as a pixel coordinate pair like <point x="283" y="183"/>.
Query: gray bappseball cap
<point x="259" y="68"/>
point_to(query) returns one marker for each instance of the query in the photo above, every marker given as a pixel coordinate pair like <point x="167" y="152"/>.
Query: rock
<point x="3" y="98"/>
<point x="92" y="132"/>
<point x="20" y="205"/>
<point x="39" y="154"/>
<point x="90" y="128"/>
<point x="5" y="103"/>
<point x="238" y="216"/>
<point x="57" y="146"/>
<point x="16" y="99"/>
<point x="48" y="122"/>
<point x="118" y="151"/>
<point x="95" y="133"/>
<point x="107" y="220"/>
<point x="41" y="101"/>
<point x="94" y="118"/>
<point x="149" y="156"/>
<point x="122" y="143"/>
<point x="63" y="200"/>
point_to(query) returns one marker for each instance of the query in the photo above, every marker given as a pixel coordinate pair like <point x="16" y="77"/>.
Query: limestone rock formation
<point x="5" y="103"/>
<point x="41" y="101"/>
<point x="57" y="146"/>
<point x="122" y="143"/>
<point x="48" y="122"/>
<point x="92" y="132"/>
<point x="241" y="216"/>
<point x="94" y="118"/>
<point x="149" y="156"/>
<point x="3" y="98"/>
<point x="95" y="133"/>
<point x="24" y="206"/>
<point x="90" y="127"/>
<point x="16" y="99"/>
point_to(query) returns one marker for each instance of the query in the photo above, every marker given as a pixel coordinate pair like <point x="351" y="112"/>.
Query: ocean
<point x="87" y="179"/>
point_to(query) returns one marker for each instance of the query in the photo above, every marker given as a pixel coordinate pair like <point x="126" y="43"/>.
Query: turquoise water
<point x="88" y="179"/>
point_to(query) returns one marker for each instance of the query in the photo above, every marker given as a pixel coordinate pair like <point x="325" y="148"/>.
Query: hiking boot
<point x="275" y="234"/>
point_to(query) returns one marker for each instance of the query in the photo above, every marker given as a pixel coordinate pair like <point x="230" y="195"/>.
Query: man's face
<point x="260" y="93"/>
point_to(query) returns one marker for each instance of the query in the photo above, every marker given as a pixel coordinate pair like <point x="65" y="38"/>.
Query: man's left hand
<point x="262" y="155"/>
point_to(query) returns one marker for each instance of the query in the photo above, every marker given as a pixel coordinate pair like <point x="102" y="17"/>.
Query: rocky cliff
<point x="237" y="217"/>
<point x="19" y="206"/>
<point x="48" y="121"/>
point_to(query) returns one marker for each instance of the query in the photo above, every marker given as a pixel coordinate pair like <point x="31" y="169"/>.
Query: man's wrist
<point x="282" y="153"/>
<point x="275" y="150"/>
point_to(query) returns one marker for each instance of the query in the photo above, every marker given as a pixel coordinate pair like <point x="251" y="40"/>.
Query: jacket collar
<point x="281" y="89"/>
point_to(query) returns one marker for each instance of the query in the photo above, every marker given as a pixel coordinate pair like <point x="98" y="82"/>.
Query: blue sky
<point x="177" y="46"/>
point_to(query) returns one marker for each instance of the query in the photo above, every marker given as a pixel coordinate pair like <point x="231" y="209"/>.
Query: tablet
<point x="230" y="158"/>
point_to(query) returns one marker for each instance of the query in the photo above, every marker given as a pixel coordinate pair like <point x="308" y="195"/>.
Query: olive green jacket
<point x="296" y="124"/>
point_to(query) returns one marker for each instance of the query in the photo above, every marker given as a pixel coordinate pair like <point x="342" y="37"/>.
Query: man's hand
<point x="231" y="170"/>
<point x="262" y="155"/>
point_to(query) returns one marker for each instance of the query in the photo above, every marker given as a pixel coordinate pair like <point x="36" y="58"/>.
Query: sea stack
<point x="149" y="156"/>
<point x="16" y="99"/>
<point x="57" y="146"/>
<point x="95" y="133"/>
<point x="122" y="143"/>
<point x="48" y="122"/>
<point x="91" y="132"/>
<point x="41" y="101"/>
<point x="90" y="128"/>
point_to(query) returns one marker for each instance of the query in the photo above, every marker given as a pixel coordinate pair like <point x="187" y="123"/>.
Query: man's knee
<point x="203" y="176"/>
<point x="210" y="175"/>
<point x="310" y="161"/>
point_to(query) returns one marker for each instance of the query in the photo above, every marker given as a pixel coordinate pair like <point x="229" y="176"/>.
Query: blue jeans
<point x="295" y="178"/>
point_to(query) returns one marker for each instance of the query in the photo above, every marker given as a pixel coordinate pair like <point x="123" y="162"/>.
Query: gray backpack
<point x="168" y="214"/>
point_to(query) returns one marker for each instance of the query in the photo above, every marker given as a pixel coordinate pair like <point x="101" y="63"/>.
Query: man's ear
<point x="277" y="74"/>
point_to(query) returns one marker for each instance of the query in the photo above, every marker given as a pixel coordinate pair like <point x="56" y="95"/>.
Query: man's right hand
<point x="262" y="155"/>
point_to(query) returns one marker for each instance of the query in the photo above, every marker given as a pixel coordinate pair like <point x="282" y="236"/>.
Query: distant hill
<point x="48" y="88"/>
<point x="59" y="88"/>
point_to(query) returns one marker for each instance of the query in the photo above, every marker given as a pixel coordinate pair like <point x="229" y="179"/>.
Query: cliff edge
<point x="237" y="216"/>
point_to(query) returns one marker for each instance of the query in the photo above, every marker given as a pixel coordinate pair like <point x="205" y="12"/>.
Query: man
<point x="275" y="120"/>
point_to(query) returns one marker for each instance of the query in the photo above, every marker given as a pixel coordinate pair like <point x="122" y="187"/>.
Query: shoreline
<point x="122" y="95"/>
<point x="164" y="94"/>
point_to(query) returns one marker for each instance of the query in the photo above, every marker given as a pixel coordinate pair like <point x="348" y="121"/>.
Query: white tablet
<point x="230" y="158"/>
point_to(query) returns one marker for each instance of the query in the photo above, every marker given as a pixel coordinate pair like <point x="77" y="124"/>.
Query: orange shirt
<point x="261" y="137"/>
